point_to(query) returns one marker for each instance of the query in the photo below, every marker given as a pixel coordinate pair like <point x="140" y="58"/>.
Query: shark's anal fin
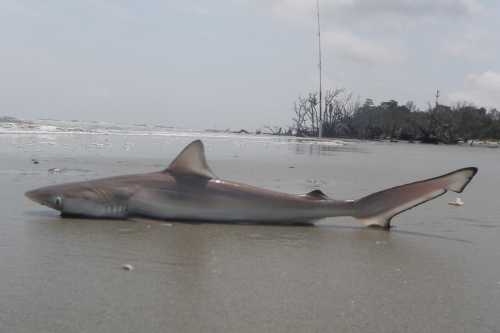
<point x="191" y="162"/>
<point x="316" y="195"/>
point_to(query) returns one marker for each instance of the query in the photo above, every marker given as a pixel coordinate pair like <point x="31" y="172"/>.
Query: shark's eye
<point x="58" y="201"/>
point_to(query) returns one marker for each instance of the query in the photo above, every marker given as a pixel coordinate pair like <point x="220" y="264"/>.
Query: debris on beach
<point x="241" y="131"/>
<point x="128" y="267"/>
<point x="97" y="145"/>
<point x="54" y="170"/>
<point x="457" y="202"/>
<point x="127" y="146"/>
<point x="35" y="161"/>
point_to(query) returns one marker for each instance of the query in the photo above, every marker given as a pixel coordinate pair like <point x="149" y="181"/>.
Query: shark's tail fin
<point x="379" y="208"/>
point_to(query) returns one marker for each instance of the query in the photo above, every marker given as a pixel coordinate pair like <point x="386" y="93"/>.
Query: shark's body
<point x="189" y="191"/>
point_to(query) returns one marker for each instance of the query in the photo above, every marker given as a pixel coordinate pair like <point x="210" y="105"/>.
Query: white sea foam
<point x="59" y="127"/>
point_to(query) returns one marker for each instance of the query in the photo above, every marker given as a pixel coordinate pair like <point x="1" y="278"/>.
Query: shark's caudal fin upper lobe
<point x="379" y="208"/>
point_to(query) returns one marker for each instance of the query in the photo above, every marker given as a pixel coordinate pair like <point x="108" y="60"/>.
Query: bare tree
<point x="299" y="121"/>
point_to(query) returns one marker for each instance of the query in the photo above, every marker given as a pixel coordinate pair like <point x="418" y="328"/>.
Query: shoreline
<point x="14" y="126"/>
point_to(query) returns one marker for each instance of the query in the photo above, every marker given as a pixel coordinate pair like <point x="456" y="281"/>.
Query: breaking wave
<point x="12" y="126"/>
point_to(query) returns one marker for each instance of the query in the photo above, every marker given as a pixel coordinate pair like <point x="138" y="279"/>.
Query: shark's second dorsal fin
<point x="316" y="195"/>
<point x="191" y="162"/>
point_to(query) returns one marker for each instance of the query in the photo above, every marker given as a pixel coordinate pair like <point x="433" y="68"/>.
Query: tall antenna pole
<point x="320" y="65"/>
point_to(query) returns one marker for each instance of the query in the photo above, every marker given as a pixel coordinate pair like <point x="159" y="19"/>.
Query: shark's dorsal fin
<point x="317" y="195"/>
<point x="191" y="162"/>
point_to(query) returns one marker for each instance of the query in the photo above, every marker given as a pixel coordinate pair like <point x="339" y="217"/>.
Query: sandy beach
<point x="436" y="271"/>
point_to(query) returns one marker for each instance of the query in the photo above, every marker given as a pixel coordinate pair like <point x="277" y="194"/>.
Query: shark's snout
<point x="34" y="195"/>
<point x="44" y="196"/>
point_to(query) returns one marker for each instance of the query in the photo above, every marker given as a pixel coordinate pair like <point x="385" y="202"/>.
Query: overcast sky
<point x="238" y="63"/>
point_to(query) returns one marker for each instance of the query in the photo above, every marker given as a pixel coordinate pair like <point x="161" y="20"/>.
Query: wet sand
<point x="437" y="271"/>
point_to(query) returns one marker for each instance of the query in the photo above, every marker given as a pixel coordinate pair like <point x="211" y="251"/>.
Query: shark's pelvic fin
<point x="379" y="208"/>
<point x="191" y="162"/>
<point x="316" y="195"/>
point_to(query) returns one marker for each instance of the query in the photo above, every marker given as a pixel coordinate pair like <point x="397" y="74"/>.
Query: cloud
<point x="356" y="49"/>
<point x="380" y="20"/>
<point x="412" y="8"/>
<point x="349" y="9"/>
<point x="476" y="45"/>
<point x="481" y="89"/>
<point x="9" y="8"/>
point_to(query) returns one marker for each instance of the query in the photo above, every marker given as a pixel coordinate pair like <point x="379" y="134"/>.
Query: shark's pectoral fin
<point x="191" y="162"/>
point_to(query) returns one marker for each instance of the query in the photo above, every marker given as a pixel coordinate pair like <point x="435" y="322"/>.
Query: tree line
<point x="344" y="116"/>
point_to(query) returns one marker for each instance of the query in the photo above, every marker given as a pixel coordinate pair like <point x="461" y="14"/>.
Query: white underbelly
<point x="222" y="209"/>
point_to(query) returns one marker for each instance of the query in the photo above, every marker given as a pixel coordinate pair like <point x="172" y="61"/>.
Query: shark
<point x="188" y="190"/>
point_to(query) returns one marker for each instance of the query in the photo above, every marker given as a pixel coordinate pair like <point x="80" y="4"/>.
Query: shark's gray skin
<point x="189" y="191"/>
